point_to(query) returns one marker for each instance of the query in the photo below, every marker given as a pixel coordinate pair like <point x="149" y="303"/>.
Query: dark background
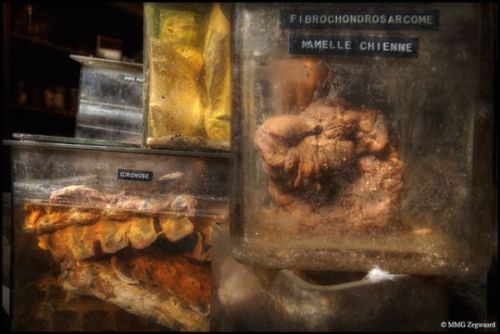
<point x="37" y="40"/>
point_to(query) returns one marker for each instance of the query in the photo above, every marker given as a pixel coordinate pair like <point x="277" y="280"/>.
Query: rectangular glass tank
<point x="110" y="100"/>
<point x="112" y="238"/>
<point x="254" y="299"/>
<point x="362" y="136"/>
<point x="187" y="96"/>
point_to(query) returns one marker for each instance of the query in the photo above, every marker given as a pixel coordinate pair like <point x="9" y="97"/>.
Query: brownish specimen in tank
<point x="173" y="301"/>
<point x="159" y="248"/>
<point x="293" y="82"/>
<point x="113" y="223"/>
<point x="332" y="163"/>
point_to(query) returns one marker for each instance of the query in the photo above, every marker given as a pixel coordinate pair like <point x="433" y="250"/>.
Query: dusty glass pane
<point x="356" y="146"/>
<point x="114" y="233"/>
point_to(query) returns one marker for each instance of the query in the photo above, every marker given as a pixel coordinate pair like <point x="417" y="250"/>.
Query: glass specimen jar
<point x="362" y="136"/>
<point x="109" y="231"/>
<point x="249" y="298"/>
<point x="187" y="75"/>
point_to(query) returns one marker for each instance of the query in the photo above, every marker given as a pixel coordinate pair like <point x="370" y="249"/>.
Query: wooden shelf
<point x="36" y="121"/>
<point x="49" y="44"/>
<point x="132" y="8"/>
<point x="25" y="107"/>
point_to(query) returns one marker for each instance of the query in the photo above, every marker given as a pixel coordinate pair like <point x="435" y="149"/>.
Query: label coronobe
<point x="135" y="175"/>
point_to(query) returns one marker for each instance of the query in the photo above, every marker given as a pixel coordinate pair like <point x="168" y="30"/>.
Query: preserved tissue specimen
<point x="217" y="77"/>
<point x="56" y="309"/>
<point x="189" y="93"/>
<point x="332" y="164"/>
<point x="80" y="225"/>
<point x="175" y="296"/>
<point x="293" y="83"/>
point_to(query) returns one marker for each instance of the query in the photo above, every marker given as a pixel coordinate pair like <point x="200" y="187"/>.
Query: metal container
<point x="110" y="101"/>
